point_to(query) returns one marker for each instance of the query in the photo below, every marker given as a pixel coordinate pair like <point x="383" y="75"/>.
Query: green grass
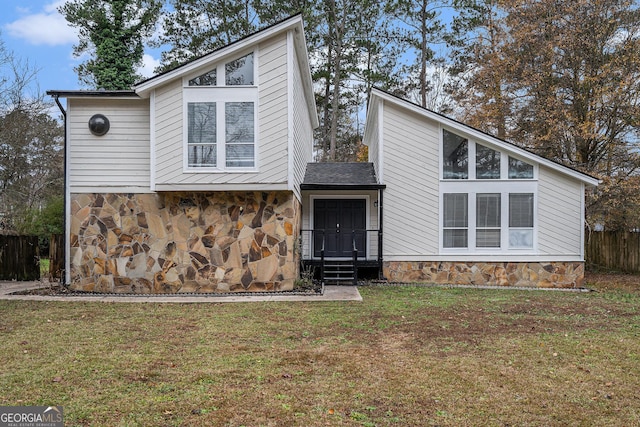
<point x="44" y="267"/>
<point x="404" y="356"/>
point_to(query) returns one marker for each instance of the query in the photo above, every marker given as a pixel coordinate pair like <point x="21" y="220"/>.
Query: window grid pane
<point x="456" y="210"/>
<point x="487" y="238"/>
<point x="455" y="161"/>
<point x="487" y="163"/>
<point x="520" y="210"/>
<point x="201" y="134"/>
<point x="519" y="169"/>
<point x="239" y="72"/>
<point x="206" y="79"/>
<point x="455" y="238"/>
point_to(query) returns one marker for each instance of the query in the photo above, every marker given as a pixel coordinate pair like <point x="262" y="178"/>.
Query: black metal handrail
<point x="322" y="260"/>
<point x="355" y="257"/>
<point x="310" y="235"/>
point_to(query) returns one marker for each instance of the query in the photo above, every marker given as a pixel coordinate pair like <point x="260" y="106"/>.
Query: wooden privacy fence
<point x="613" y="250"/>
<point x="19" y="257"/>
<point x="56" y="256"/>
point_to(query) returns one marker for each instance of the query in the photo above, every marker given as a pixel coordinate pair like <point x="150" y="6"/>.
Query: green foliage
<point x="43" y="222"/>
<point x="194" y="28"/>
<point x="113" y="32"/>
<point x="561" y="79"/>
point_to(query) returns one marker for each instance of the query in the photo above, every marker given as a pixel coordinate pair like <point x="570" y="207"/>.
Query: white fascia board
<point x="484" y="258"/>
<point x="482" y="137"/>
<point x="302" y="54"/>
<point x="224" y="187"/>
<point x="143" y="89"/>
<point x="82" y="189"/>
<point x="290" y="125"/>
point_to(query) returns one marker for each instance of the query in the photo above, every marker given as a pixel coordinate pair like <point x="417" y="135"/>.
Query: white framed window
<point x="220" y="132"/>
<point x="521" y="220"/>
<point x="478" y="222"/>
<point x="488" y="220"/>
<point x="455" y="213"/>
<point x="465" y="159"/>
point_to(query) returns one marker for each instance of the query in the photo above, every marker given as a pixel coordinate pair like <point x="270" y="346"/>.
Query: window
<point x="520" y="220"/>
<point x="488" y="220"/>
<point x="487" y="163"/>
<point x="519" y="169"/>
<point x="239" y="131"/>
<point x="455" y="156"/>
<point x="220" y="120"/>
<point x="498" y="222"/>
<point x="206" y="79"/>
<point x="201" y="134"/>
<point x="239" y="71"/>
<point x="455" y="220"/>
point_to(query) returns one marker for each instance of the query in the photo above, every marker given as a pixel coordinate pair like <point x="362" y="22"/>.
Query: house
<point x="446" y="203"/>
<point x="201" y="179"/>
<point x="190" y="182"/>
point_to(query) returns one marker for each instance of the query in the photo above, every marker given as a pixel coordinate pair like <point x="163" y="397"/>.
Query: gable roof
<point x="344" y="176"/>
<point x="293" y="24"/>
<point x="377" y="96"/>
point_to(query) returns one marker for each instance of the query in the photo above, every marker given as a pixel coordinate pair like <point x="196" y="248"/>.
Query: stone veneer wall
<point x="184" y="242"/>
<point x="525" y="274"/>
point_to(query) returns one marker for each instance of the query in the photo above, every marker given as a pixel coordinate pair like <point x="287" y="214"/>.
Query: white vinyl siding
<point x="169" y="153"/>
<point x="372" y="139"/>
<point x="560" y="221"/>
<point x="411" y="174"/>
<point x="271" y="169"/>
<point x="302" y="128"/>
<point x="118" y="159"/>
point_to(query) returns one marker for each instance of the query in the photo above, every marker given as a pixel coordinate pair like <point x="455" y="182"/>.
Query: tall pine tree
<point x="113" y="32"/>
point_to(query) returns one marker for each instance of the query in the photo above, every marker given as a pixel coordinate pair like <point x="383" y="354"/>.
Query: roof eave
<point x="93" y="93"/>
<point x="344" y="187"/>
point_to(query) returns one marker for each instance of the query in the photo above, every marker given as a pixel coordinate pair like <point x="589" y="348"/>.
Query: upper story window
<point x="239" y="72"/>
<point x="519" y="169"/>
<point x="220" y="120"/>
<point x="209" y="78"/>
<point x="455" y="151"/>
<point x="488" y="163"/>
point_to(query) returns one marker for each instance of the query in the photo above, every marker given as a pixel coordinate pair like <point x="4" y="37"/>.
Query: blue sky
<point x="35" y="31"/>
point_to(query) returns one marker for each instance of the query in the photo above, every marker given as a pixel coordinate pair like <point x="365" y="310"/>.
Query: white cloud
<point x="45" y="28"/>
<point x="149" y="63"/>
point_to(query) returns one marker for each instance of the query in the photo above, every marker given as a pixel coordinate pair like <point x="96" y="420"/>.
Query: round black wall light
<point x="99" y="124"/>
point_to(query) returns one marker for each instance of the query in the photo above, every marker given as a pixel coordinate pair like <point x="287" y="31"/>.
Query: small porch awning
<point x="340" y="176"/>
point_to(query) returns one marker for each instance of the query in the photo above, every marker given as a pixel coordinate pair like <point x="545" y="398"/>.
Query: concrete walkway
<point x="331" y="293"/>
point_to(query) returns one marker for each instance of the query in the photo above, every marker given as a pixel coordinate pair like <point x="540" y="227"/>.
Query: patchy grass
<point x="404" y="356"/>
<point x="44" y="267"/>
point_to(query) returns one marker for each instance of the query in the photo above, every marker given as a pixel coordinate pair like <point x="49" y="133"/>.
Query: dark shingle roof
<point x="340" y="176"/>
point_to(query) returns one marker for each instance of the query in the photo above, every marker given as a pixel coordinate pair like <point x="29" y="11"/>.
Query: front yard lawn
<point x="404" y="356"/>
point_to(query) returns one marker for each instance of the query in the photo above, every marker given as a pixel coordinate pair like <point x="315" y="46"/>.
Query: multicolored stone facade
<point x="519" y="274"/>
<point x="184" y="242"/>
